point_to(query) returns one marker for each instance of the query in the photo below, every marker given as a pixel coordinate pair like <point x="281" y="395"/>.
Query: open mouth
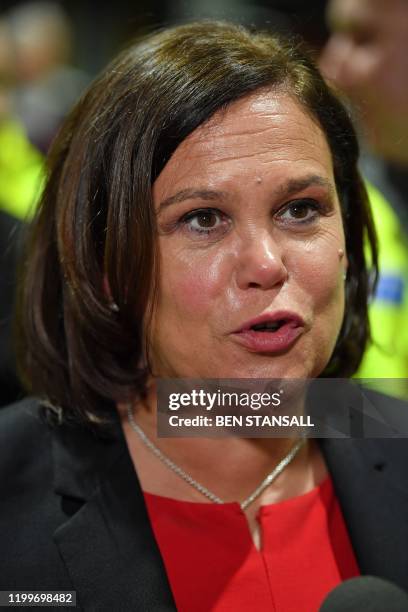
<point x="270" y="333"/>
<point x="269" y="326"/>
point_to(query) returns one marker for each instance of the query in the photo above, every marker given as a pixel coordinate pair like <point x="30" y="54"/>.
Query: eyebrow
<point x="291" y="187"/>
<point x="192" y="194"/>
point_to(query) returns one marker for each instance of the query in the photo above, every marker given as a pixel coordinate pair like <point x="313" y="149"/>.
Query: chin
<point x="268" y="367"/>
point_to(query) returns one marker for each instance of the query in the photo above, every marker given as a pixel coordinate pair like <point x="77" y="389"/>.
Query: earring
<point x="344" y="275"/>
<point x="113" y="306"/>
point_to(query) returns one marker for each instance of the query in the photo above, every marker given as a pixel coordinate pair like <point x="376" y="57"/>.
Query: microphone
<point x="367" y="593"/>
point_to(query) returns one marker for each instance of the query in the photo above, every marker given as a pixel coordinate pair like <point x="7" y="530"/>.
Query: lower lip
<point x="269" y="342"/>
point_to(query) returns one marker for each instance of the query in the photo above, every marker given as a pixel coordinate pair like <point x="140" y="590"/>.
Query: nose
<point x="260" y="263"/>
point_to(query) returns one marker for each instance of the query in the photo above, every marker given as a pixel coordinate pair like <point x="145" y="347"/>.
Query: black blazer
<point x="72" y="514"/>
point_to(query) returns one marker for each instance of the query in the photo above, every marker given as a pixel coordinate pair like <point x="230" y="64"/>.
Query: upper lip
<point x="271" y="317"/>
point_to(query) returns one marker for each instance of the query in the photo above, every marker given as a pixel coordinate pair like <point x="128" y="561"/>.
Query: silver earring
<point x="113" y="306"/>
<point x="344" y="276"/>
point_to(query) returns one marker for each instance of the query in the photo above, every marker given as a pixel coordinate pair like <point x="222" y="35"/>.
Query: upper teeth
<point x="267" y="325"/>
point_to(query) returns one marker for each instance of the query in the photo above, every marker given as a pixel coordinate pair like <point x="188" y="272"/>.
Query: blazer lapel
<point x="368" y="477"/>
<point x="107" y="544"/>
<point x="109" y="548"/>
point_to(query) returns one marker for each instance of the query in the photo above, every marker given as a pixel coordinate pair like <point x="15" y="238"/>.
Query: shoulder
<point x="30" y="511"/>
<point x="376" y="443"/>
<point x="366" y="428"/>
<point x="20" y="415"/>
<point x="385" y="418"/>
<point x="23" y="432"/>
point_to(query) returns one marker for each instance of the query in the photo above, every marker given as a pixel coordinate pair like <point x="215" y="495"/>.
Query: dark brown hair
<point x="96" y="218"/>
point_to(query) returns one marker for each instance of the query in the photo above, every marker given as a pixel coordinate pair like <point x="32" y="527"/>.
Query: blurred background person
<point x="367" y="57"/>
<point x="48" y="83"/>
<point x="20" y="161"/>
<point x="20" y="177"/>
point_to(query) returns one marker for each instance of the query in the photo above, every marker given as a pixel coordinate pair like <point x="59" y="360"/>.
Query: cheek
<point x="191" y="282"/>
<point x="325" y="277"/>
<point x="319" y="270"/>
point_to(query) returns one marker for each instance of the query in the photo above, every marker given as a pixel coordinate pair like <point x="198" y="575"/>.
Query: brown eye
<point x="206" y="219"/>
<point x="206" y="222"/>
<point x="299" y="211"/>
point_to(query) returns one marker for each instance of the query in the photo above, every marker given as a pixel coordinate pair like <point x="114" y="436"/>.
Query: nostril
<point x="260" y="267"/>
<point x="253" y="285"/>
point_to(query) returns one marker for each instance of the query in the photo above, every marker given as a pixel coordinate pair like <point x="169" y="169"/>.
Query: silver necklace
<point x="198" y="486"/>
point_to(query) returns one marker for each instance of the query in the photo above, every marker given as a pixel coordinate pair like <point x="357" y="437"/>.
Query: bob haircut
<point x="93" y="240"/>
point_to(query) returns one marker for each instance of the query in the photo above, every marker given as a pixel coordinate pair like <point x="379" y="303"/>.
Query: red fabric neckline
<point x="213" y="564"/>
<point x="326" y="483"/>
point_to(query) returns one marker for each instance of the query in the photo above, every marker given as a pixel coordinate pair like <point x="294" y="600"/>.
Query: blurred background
<point x="50" y="51"/>
<point x="99" y="30"/>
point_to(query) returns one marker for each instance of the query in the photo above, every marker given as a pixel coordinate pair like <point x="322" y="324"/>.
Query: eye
<point x="363" y="38"/>
<point x="299" y="211"/>
<point x="205" y="221"/>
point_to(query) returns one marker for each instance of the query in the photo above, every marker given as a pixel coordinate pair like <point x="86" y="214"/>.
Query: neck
<point x="230" y="467"/>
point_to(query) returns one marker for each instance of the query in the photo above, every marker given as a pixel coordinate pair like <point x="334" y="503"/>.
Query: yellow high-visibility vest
<point x="387" y="355"/>
<point x="21" y="171"/>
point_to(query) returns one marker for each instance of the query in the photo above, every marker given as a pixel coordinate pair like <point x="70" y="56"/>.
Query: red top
<point x="213" y="564"/>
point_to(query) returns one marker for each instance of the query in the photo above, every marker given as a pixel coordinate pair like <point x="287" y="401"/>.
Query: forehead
<point x="348" y="15"/>
<point x="262" y="117"/>
<point x="262" y="132"/>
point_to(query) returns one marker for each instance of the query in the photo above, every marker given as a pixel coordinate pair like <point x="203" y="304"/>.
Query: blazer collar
<point x="367" y="477"/>
<point x="107" y="543"/>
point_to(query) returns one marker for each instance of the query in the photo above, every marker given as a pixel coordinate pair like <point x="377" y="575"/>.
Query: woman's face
<point x="250" y="234"/>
